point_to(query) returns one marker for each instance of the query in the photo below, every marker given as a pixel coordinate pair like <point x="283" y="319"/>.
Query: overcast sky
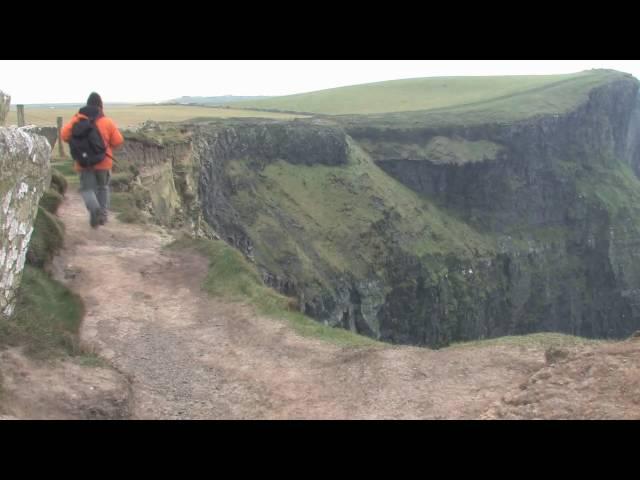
<point x="71" y="81"/>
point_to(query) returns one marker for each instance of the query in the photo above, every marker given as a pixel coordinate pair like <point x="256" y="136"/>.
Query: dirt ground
<point x="178" y="354"/>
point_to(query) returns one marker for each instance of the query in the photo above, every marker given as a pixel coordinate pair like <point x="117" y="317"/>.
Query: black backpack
<point x="86" y="144"/>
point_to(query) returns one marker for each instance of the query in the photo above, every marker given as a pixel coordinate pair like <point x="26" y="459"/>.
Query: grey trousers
<point x="95" y="191"/>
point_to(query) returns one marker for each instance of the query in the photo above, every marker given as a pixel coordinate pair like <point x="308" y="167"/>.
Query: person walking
<point x="92" y="136"/>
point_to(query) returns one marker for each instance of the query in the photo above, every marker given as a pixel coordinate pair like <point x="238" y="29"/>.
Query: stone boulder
<point x="25" y="174"/>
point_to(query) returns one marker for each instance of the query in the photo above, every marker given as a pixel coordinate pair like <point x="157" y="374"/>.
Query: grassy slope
<point x="554" y="99"/>
<point x="219" y="100"/>
<point x="233" y="278"/>
<point x="521" y="94"/>
<point x="47" y="317"/>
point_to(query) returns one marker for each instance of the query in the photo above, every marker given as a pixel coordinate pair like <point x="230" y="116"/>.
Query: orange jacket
<point x="109" y="133"/>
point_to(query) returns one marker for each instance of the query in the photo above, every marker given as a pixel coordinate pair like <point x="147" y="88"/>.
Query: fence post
<point x="60" y="145"/>
<point x="20" y="115"/>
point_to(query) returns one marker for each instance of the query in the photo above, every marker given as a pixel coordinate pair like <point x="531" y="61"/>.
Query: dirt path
<point x="189" y="356"/>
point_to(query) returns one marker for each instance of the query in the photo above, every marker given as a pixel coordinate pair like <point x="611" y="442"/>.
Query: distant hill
<point x="186" y="100"/>
<point x="525" y="92"/>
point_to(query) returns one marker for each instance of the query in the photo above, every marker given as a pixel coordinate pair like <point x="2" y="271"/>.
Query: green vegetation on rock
<point x="46" y="319"/>
<point x="232" y="278"/>
<point x="534" y="340"/>
<point x="47" y="314"/>
<point x="64" y="166"/>
<point x="48" y="231"/>
<point x="372" y="207"/>
<point x="128" y="206"/>
<point x="59" y="182"/>
<point x="51" y="200"/>
<point x="47" y="238"/>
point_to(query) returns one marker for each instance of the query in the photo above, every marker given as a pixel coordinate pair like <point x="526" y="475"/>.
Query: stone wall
<point x="24" y="176"/>
<point x="50" y="133"/>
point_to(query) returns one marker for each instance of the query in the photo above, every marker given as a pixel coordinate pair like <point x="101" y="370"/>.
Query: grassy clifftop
<point x="523" y="94"/>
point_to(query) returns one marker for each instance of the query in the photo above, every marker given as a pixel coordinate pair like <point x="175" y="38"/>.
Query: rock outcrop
<point x="24" y="176"/>
<point x="163" y="174"/>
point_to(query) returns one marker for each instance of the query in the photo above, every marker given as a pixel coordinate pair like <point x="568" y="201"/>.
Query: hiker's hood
<point x="91" y="111"/>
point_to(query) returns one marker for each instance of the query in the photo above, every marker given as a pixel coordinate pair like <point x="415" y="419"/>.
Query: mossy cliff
<point x="425" y="228"/>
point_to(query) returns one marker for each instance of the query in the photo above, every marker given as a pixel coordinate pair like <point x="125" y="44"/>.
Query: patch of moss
<point x="47" y="238"/>
<point x="121" y="182"/>
<point x="58" y="181"/>
<point x="46" y="319"/>
<point x="132" y="216"/>
<point x="129" y="206"/>
<point x="438" y="150"/>
<point x="613" y="187"/>
<point x="537" y="340"/>
<point x="160" y="134"/>
<point x="51" y="200"/>
<point x="64" y="166"/>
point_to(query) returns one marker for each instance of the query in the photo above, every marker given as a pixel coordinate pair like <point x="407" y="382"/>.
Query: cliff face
<point x="232" y="158"/>
<point x="504" y="175"/>
<point x="559" y="195"/>
<point x="426" y="233"/>
<point x="24" y="176"/>
<point x="164" y="176"/>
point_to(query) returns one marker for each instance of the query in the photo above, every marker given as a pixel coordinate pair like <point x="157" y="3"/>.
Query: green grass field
<point x="435" y="93"/>
<point x="130" y="116"/>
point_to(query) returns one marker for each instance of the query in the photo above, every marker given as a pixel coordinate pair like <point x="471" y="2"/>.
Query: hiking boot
<point x="94" y="220"/>
<point x="102" y="217"/>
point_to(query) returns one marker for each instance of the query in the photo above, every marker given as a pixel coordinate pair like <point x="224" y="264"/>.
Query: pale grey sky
<point x="71" y="81"/>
